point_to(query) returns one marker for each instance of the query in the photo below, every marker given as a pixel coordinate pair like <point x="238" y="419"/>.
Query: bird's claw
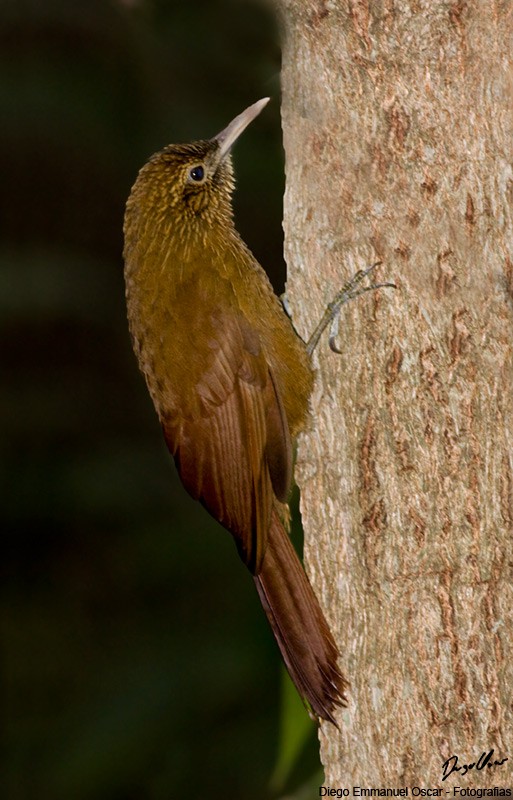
<point x="331" y="316"/>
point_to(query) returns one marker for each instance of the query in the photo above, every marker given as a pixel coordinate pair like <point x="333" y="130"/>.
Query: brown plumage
<point x="230" y="380"/>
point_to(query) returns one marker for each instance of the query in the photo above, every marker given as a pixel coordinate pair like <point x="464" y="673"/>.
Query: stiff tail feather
<point x="302" y="633"/>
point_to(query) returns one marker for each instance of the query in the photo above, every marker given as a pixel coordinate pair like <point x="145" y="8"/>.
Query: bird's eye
<point x="197" y="173"/>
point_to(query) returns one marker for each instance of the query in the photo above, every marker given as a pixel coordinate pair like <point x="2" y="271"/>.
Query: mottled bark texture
<point x="398" y="130"/>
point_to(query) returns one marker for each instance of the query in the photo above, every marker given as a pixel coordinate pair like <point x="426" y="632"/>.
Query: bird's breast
<point x="180" y="309"/>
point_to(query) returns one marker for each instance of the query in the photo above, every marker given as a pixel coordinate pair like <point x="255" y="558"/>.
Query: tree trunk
<point x="398" y="130"/>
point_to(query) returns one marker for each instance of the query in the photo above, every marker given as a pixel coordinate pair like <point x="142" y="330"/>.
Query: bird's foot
<point x="284" y="300"/>
<point x="331" y="316"/>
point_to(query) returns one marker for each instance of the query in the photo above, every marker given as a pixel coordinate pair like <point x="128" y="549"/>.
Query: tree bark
<point x="398" y="133"/>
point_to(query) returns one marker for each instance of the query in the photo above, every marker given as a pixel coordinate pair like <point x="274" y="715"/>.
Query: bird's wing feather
<point x="233" y="451"/>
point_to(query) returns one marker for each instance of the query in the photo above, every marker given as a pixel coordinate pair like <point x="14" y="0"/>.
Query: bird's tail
<point x="302" y="633"/>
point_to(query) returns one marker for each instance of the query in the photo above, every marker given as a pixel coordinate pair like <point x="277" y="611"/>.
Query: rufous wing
<point x="233" y="449"/>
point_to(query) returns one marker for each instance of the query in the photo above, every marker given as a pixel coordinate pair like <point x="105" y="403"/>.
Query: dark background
<point x="136" y="661"/>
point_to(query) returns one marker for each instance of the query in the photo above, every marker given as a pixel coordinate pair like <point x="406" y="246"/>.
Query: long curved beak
<point x="227" y="138"/>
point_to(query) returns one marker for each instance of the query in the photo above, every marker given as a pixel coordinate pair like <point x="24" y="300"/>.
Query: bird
<point x="230" y="379"/>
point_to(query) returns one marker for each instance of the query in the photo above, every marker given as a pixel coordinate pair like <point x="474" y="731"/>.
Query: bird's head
<point x="186" y="186"/>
